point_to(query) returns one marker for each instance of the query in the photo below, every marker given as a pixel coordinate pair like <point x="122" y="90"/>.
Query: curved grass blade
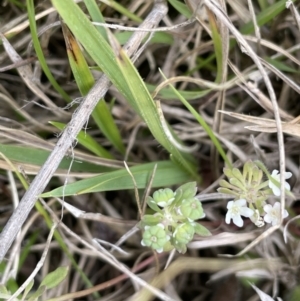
<point x="145" y="106"/>
<point x="168" y="94"/>
<point x="205" y="126"/>
<point x="104" y="56"/>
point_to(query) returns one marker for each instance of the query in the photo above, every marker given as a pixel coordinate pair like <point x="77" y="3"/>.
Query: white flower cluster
<point x="267" y="213"/>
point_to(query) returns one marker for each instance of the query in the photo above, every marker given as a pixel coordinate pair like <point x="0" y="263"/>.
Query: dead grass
<point x="255" y="82"/>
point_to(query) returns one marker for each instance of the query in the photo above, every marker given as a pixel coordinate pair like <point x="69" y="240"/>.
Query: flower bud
<point x="163" y="197"/>
<point x="155" y="237"/>
<point x="184" y="233"/>
<point x="191" y="209"/>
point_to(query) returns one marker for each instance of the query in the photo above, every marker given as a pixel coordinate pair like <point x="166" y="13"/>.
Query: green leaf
<point x="150" y="220"/>
<point x="38" y="157"/>
<point x="122" y="74"/>
<point x="158" y="38"/>
<point x="201" y="230"/>
<point x="188" y="190"/>
<point x="204" y="125"/>
<point x="167" y="174"/>
<point x="4" y="296"/>
<point x="122" y="10"/>
<point x="151" y="203"/>
<point x="85" y="81"/>
<point x="26" y="248"/>
<point x="181" y="8"/>
<point x="168" y="94"/>
<point x="143" y="103"/>
<point x="37" y="294"/>
<point x="39" y="51"/>
<point x="217" y="39"/>
<point x="281" y="66"/>
<point x="96" y="16"/>
<point x="3" y="289"/>
<point x="265" y="16"/>
<point x="28" y="289"/>
<point x="54" y="278"/>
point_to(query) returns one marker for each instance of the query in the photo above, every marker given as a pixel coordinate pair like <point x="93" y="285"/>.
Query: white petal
<point x="230" y="204"/>
<point x="228" y="217"/>
<point x="275" y="221"/>
<point x="277" y="206"/>
<point x="238" y="221"/>
<point x="268" y="219"/>
<point x="268" y="208"/>
<point x="247" y="212"/>
<point x="287" y="186"/>
<point x="276" y="190"/>
<point x="287" y="175"/>
<point x="241" y="202"/>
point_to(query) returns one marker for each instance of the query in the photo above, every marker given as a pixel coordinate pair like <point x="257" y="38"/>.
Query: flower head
<point x="191" y="209"/>
<point x="184" y="233"/>
<point x="163" y="197"/>
<point x="155" y="237"/>
<point x="248" y="185"/>
<point x="235" y="210"/>
<point x="276" y="177"/>
<point x="273" y="214"/>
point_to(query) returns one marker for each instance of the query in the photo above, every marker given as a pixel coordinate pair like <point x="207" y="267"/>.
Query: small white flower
<point x="276" y="176"/>
<point x="257" y="220"/>
<point x="235" y="210"/>
<point x="273" y="214"/>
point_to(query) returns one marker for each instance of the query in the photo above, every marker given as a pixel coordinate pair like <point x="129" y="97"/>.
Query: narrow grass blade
<point x="281" y="65"/>
<point x="167" y="174"/>
<point x="266" y="16"/>
<point x="205" y="126"/>
<point x="167" y="93"/>
<point x="85" y="81"/>
<point x="104" y="56"/>
<point x="217" y="45"/>
<point x="180" y="7"/>
<point x="262" y="18"/>
<point x="122" y="10"/>
<point x="39" y="51"/>
<point x="87" y="141"/>
<point x="96" y="16"/>
<point x="158" y="37"/>
<point x="145" y="106"/>
<point x="38" y="157"/>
